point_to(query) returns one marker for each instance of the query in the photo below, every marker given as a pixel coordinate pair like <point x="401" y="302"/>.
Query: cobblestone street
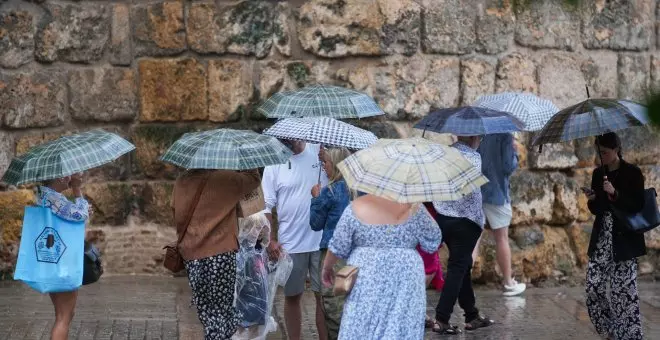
<point x="142" y="307"/>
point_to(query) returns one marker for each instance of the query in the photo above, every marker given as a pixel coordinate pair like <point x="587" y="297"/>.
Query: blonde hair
<point x="336" y="156"/>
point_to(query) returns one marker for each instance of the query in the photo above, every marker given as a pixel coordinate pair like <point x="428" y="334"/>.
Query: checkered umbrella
<point x="226" y="149"/>
<point x="320" y="101"/>
<point x="592" y="117"/>
<point x="323" y="130"/>
<point x="470" y="121"/>
<point x="530" y="109"/>
<point x="411" y="170"/>
<point x="66" y="156"/>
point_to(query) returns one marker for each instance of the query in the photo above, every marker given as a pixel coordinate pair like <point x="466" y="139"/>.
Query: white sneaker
<point x="514" y="289"/>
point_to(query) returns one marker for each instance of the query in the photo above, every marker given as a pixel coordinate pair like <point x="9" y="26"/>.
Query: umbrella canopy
<point x="323" y="130"/>
<point x="533" y="111"/>
<point x="320" y="101"/>
<point x="226" y="149"/>
<point x="411" y="170"/>
<point x="470" y="121"/>
<point x="592" y="117"/>
<point x="66" y="156"/>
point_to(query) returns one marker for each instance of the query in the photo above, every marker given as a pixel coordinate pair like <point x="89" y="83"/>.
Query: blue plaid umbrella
<point x="592" y="117"/>
<point x="529" y="108"/>
<point x="470" y="121"/>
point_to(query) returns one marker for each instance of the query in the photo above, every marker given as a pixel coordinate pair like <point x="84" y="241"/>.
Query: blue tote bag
<point x="51" y="254"/>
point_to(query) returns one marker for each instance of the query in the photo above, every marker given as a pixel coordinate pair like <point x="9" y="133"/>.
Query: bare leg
<point x="65" y="305"/>
<point x="293" y="316"/>
<point x="429" y="278"/>
<point x="320" y="318"/>
<point x="503" y="253"/>
<point x="475" y="252"/>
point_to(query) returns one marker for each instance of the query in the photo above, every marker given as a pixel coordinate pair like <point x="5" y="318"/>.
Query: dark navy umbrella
<point x="470" y="121"/>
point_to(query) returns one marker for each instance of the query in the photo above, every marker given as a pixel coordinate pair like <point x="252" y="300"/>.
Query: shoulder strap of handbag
<point x="195" y="201"/>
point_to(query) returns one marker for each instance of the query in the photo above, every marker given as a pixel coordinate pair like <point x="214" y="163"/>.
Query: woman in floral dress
<point x="388" y="300"/>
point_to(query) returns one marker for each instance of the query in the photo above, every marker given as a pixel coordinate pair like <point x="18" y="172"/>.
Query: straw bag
<point x="344" y="280"/>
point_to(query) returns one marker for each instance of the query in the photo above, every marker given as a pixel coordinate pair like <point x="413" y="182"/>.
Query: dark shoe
<point x="444" y="328"/>
<point x="477" y="323"/>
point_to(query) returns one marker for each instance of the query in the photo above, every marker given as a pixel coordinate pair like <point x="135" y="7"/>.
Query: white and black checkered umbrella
<point x="530" y="109"/>
<point x="322" y="130"/>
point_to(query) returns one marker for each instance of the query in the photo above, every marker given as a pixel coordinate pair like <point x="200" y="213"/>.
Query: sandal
<point x="444" y="328"/>
<point x="479" y="322"/>
<point x="428" y="322"/>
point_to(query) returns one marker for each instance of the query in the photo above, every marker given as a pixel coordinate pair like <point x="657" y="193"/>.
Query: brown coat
<point x="213" y="228"/>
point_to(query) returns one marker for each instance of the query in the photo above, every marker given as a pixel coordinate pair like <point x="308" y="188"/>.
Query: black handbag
<point x="92" y="267"/>
<point x="643" y="221"/>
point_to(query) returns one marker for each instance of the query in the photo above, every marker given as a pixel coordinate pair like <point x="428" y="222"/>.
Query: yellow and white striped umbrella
<point x="411" y="170"/>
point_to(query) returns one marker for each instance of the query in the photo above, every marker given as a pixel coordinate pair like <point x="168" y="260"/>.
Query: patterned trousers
<point x="618" y="316"/>
<point x="213" y="280"/>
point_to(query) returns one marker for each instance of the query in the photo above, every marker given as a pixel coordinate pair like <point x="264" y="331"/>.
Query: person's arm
<point x="77" y="211"/>
<point x="630" y="195"/>
<point x="327" y="273"/>
<point x="319" y="208"/>
<point x="509" y="155"/>
<point x="429" y="234"/>
<point x="268" y="186"/>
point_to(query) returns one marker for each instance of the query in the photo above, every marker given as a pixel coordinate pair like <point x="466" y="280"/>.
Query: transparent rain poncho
<point x="257" y="278"/>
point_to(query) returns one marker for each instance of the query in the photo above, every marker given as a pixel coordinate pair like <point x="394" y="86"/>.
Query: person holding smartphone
<point x="613" y="250"/>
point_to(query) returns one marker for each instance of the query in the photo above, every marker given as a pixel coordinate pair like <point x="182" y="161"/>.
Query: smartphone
<point x="587" y="190"/>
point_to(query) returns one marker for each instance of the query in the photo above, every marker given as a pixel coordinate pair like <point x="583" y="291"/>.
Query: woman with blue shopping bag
<point x="53" y="257"/>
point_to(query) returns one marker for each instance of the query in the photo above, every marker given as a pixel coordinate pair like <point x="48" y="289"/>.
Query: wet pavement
<point x="143" y="307"/>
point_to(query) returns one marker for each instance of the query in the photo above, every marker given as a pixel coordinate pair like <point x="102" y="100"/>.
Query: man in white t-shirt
<point x="287" y="187"/>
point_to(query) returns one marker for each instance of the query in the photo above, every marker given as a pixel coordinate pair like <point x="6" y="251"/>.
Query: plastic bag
<point x="51" y="253"/>
<point x="257" y="279"/>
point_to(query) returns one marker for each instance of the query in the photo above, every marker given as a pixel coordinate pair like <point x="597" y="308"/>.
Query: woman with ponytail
<point x="613" y="250"/>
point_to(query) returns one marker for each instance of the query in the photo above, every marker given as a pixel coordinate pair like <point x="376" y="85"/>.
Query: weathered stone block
<point x="337" y="28"/>
<point x="12" y="205"/>
<point x="618" y="25"/>
<point x="579" y="237"/>
<point x="477" y="79"/>
<point x="230" y="89"/>
<point x="585" y="152"/>
<point x="566" y="206"/>
<point x="600" y="73"/>
<point x="276" y="76"/>
<point x="29" y="100"/>
<point x="151" y="141"/>
<point x="16" y="38"/>
<point x="75" y="33"/>
<point x="158" y="28"/>
<point x="526" y="237"/>
<point x="172" y="90"/>
<point x="121" y="52"/>
<point x="561" y="79"/>
<point x="552" y="156"/>
<point x="6" y="150"/>
<point x="548" y="24"/>
<point x="655" y="73"/>
<point x="641" y="145"/>
<point x="494" y="26"/>
<point x="448" y="28"/>
<point x="409" y="87"/>
<point x="634" y="70"/>
<point x="516" y="72"/>
<point x="281" y="30"/>
<point x="112" y="202"/>
<point x="155" y="201"/>
<point x="532" y="197"/>
<point x="247" y="28"/>
<point x="103" y="94"/>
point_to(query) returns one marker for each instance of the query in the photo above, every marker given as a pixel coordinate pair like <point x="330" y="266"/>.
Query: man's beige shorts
<point x="498" y="216"/>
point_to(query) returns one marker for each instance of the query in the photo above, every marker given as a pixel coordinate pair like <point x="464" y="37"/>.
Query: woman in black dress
<point x="613" y="250"/>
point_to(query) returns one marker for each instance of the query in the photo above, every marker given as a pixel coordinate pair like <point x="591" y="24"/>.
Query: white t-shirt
<point x="290" y="191"/>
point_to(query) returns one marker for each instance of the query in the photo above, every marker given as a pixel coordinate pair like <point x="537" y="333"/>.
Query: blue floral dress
<point x="388" y="300"/>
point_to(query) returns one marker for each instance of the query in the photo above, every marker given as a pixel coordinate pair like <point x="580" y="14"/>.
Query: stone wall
<point x="153" y="70"/>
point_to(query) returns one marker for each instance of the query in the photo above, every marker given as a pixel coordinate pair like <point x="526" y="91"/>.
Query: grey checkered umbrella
<point x="470" y="121"/>
<point x="530" y="109"/>
<point x="323" y="130"/>
<point x="226" y="149"/>
<point x="320" y="101"/>
<point x="592" y="117"/>
<point x="66" y="156"/>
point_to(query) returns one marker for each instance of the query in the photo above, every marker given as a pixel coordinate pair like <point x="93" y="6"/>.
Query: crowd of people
<point x="323" y="225"/>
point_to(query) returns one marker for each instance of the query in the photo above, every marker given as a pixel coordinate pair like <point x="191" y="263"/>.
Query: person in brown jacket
<point x="210" y="242"/>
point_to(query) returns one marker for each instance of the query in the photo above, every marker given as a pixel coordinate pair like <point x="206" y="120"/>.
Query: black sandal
<point x="444" y="328"/>
<point x="479" y="322"/>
